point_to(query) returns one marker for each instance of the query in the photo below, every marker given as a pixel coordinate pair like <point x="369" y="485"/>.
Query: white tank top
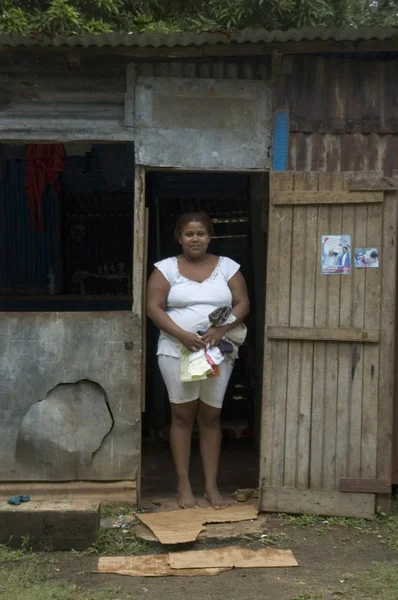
<point x="189" y="303"/>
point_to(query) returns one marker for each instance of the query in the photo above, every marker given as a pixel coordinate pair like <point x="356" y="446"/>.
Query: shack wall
<point x="59" y="374"/>
<point x="343" y="116"/>
<point x="45" y="98"/>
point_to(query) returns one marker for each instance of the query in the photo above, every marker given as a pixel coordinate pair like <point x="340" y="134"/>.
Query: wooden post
<point x="387" y="343"/>
<point x="139" y="251"/>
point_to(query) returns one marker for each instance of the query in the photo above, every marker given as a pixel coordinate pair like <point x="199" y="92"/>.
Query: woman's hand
<point x="214" y="336"/>
<point x="191" y="341"/>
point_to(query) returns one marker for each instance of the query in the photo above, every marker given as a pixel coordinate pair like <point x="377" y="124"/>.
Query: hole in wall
<point x="65" y="429"/>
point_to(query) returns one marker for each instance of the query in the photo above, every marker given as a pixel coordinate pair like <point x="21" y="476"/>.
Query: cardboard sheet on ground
<point x="182" y="526"/>
<point x="233" y="556"/>
<point x="149" y="566"/>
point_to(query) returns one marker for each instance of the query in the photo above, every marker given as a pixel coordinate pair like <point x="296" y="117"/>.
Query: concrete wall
<point x="88" y="429"/>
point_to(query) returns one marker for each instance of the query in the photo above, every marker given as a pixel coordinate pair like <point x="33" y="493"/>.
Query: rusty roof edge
<point x="193" y="39"/>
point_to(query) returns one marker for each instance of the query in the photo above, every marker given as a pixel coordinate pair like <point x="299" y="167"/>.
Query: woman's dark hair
<point x="193" y="217"/>
<point x="374" y="254"/>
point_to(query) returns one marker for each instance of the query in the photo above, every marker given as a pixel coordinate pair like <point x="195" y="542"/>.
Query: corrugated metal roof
<point x="193" y="39"/>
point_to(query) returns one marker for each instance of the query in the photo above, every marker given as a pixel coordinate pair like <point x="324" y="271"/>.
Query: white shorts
<point x="210" y="391"/>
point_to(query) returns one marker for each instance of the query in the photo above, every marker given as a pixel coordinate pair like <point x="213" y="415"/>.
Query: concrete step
<point x="59" y="524"/>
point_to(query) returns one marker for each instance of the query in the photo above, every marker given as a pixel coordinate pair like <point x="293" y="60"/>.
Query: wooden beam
<point x="334" y="334"/>
<point x="317" y="502"/>
<point x="138" y="242"/>
<point x="373" y="184"/>
<point x="326" y="197"/>
<point x="365" y="486"/>
<point x="144" y="319"/>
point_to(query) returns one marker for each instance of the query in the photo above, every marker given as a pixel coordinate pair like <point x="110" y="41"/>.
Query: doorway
<point x="238" y="205"/>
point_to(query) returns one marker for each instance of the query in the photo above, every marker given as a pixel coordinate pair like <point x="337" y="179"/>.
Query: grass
<point x="302" y="520"/>
<point x="274" y="539"/>
<point x="379" y="584"/>
<point x="345" y="522"/>
<point x="392" y="532"/>
<point x="24" y="554"/>
<point x="311" y="520"/>
<point x="37" y="584"/>
<point x="113" y="510"/>
<point x="118" y="541"/>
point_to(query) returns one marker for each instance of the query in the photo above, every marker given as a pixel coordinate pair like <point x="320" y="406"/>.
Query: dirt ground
<point x="335" y="557"/>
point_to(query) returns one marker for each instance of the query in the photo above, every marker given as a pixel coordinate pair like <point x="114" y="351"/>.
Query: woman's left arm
<point x="240" y="309"/>
<point x="240" y="299"/>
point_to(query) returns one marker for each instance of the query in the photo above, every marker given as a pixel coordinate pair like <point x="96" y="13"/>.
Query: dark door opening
<point x="238" y="205"/>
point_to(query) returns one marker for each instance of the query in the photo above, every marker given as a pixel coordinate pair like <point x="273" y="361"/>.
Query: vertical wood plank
<point x="332" y="365"/>
<point x="144" y="318"/>
<point x="357" y="353"/>
<point x="325" y="355"/>
<point x="295" y="348"/>
<point x="276" y="353"/>
<point x="371" y="355"/>
<point x="318" y="389"/>
<point x="138" y="272"/>
<point x="139" y="244"/>
<point x="344" y="358"/>
<point x="299" y="393"/>
<point x="308" y="348"/>
<point x="387" y="333"/>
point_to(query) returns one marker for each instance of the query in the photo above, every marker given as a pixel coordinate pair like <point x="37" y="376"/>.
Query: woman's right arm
<point x="158" y="290"/>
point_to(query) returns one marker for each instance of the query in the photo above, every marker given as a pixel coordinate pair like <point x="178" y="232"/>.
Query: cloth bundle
<point x="236" y="336"/>
<point x="196" y="366"/>
<point x="199" y="365"/>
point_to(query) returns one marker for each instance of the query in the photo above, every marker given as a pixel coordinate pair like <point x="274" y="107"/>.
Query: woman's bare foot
<point x="216" y="500"/>
<point x="185" y="497"/>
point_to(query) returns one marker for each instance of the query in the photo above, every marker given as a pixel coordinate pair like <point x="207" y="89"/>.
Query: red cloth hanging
<point x="44" y="164"/>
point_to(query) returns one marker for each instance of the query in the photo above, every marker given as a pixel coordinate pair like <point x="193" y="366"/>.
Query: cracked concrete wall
<point x="88" y="429"/>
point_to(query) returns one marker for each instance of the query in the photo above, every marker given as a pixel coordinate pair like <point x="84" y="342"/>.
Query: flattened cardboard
<point x="182" y="526"/>
<point x="148" y="566"/>
<point x="232" y="557"/>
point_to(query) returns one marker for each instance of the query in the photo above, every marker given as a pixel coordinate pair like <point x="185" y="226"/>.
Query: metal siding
<point x="347" y="152"/>
<point x="226" y="124"/>
<point x="340" y="95"/>
<point x="55" y="103"/>
<point x="68" y="105"/>
<point x="26" y="255"/>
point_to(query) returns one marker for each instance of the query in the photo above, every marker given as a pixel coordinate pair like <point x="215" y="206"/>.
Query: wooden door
<point x="329" y="347"/>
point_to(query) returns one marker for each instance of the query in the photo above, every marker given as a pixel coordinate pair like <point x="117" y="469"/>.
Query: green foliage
<point x="71" y="17"/>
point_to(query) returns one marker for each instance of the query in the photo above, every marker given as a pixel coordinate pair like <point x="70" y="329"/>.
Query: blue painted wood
<point x="281" y="140"/>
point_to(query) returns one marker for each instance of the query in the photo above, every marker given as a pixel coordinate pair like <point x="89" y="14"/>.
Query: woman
<point x="359" y="258"/>
<point x="182" y="292"/>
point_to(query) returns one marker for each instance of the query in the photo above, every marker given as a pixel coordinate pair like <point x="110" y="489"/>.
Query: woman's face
<point x="194" y="239"/>
<point x="360" y="256"/>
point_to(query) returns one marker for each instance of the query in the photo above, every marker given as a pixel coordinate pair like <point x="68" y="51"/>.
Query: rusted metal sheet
<point x="339" y="94"/>
<point x="225" y="124"/>
<point x="348" y="152"/>
<point x="50" y="101"/>
<point x="68" y="107"/>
